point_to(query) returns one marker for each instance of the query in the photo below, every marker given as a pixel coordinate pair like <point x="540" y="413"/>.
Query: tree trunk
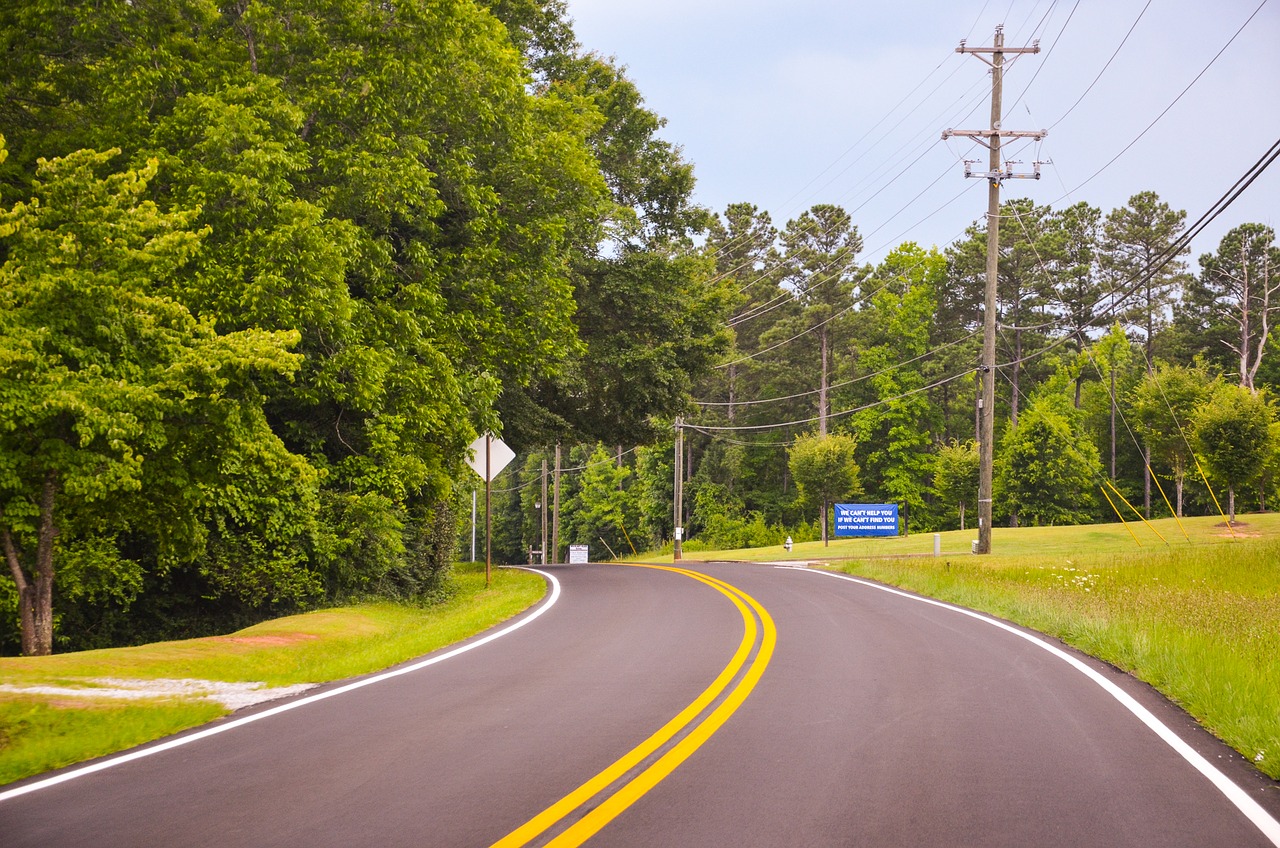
<point x="1113" y="422"/>
<point x="1178" y="486"/>
<point x="35" y="591"/>
<point x="822" y="388"/>
<point x="1146" y="482"/>
<point x="1017" y="373"/>
<point x="825" y="542"/>
<point x="962" y="515"/>
<point x="1231" y="506"/>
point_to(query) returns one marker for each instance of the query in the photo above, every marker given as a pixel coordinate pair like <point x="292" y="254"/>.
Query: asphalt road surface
<point x="722" y="705"/>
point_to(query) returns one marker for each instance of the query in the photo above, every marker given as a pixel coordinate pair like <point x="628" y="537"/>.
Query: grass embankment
<point x="42" y="732"/>
<point x="1199" y="620"/>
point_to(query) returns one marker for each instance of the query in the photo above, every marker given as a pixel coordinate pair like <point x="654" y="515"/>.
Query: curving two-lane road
<point x="722" y="705"/>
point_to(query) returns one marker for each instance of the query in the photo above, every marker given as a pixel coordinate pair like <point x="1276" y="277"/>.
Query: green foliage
<point x="1233" y="435"/>
<point x="600" y="510"/>
<point x="825" y="470"/>
<point x="1047" y="469"/>
<point x="368" y="223"/>
<point x="955" y="477"/>
<point x="723" y="523"/>
<point x="654" y="493"/>
<point x="119" y="406"/>
<point x="1164" y="405"/>
<point x="895" y="444"/>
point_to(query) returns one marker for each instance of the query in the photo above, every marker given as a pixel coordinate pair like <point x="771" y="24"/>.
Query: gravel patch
<point x="233" y="696"/>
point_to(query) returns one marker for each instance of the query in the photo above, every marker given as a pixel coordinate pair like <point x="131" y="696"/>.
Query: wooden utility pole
<point x="994" y="176"/>
<point x="545" y="560"/>
<point x="555" y="510"/>
<point x="678" y="506"/>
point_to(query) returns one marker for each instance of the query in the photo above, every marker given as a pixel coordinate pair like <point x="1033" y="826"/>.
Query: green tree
<point x="825" y="471"/>
<point x="654" y="491"/>
<point x="380" y="179"/>
<point x="1233" y="435"/>
<point x="894" y="435"/>
<point x="1163" y="406"/>
<point x="1136" y="238"/>
<point x="600" y="510"/>
<point x="821" y="249"/>
<point x="120" y="406"/>
<point x="1231" y="306"/>
<point x="1047" y="468"/>
<point x="743" y="246"/>
<point x="955" y="476"/>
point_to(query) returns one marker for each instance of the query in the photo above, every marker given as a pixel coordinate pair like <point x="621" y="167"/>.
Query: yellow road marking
<point x="630" y="792"/>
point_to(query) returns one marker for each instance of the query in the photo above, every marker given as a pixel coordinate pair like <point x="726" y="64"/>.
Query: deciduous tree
<point x="118" y="404"/>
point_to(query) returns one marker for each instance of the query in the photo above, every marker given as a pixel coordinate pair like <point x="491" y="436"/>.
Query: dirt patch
<point x="272" y="640"/>
<point x="233" y="696"/>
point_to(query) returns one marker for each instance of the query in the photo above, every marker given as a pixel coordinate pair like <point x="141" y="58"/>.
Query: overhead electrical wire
<point x="761" y="312"/>
<point x="843" y="383"/>
<point x="1173" y="251"/>
<point x="1165" y="111"/>
<point x="841" y="413"/>
<point x="1114" y="54"/>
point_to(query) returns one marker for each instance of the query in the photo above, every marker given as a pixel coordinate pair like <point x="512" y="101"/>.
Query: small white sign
<point x="499" y="456"/>
<point x="679" y="534"/>
<point x="578" y="554"/>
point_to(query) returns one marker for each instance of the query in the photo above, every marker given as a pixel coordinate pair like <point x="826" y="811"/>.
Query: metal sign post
<point x="496" y="457"/>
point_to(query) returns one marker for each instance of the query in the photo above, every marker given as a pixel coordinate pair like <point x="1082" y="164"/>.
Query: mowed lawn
<point x="1197" y="615"/>
<point x="39" y="732"/>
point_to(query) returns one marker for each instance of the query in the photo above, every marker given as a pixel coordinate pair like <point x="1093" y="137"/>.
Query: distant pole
<point x="473" y="523"/>
<point x="555" y="510"/>
<point x="544" y="511"/>
<point x="679" y="489"/>
<point x="994" y="176"/>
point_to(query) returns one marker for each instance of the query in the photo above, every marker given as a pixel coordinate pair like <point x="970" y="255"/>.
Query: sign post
<point x="487" y="456"/>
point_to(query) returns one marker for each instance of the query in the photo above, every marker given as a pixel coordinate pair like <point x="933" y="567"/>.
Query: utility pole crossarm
<point x="979" y="135"/>
<point x="998" y="48"/>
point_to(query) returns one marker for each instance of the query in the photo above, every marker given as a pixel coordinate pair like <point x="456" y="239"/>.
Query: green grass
<point x="42" y="732"/>
<point x="1199" y="620"/>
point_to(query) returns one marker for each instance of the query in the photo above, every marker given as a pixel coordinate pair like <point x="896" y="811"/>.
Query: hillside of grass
<point x="42" y="731"/>
<point x="1197" y="616"/>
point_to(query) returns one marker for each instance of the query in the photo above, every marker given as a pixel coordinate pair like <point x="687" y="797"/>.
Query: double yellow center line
<point x="700" y="728"/>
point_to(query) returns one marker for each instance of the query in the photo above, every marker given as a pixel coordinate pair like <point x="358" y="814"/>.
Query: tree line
<point x="269" y="266"/>
<point x="1127" y="382"/>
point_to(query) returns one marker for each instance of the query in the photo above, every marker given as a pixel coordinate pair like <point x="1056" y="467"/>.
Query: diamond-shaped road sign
<point x="500" y="456"/>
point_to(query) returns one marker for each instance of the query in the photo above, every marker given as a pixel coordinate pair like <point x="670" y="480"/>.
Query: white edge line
<point x="1237" y="796"/>
<point x="178" y="742"/>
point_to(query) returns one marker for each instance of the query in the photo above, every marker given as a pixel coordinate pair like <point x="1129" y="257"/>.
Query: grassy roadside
<point x="43" y="732"/>
<point x="1199" y="620"/>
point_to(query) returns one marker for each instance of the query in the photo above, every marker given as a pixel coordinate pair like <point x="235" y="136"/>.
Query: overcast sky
<point x="838" y="101"/>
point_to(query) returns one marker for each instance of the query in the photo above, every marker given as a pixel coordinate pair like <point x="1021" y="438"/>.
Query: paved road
<point x="876" y="719"/>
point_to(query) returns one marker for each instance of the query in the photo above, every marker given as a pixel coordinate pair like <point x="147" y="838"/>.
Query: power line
<point x="1166" y="109"/>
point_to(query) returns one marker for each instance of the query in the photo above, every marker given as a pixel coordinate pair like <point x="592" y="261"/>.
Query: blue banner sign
<point x="866" y="519"/>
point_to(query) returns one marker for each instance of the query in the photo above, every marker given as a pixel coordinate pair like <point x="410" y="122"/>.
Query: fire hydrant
<point x="787" y="544"/>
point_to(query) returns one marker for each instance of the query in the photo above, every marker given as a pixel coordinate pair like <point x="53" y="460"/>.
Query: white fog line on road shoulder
<point x="1237" y="796"/>
<point x="291" y="705"/>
